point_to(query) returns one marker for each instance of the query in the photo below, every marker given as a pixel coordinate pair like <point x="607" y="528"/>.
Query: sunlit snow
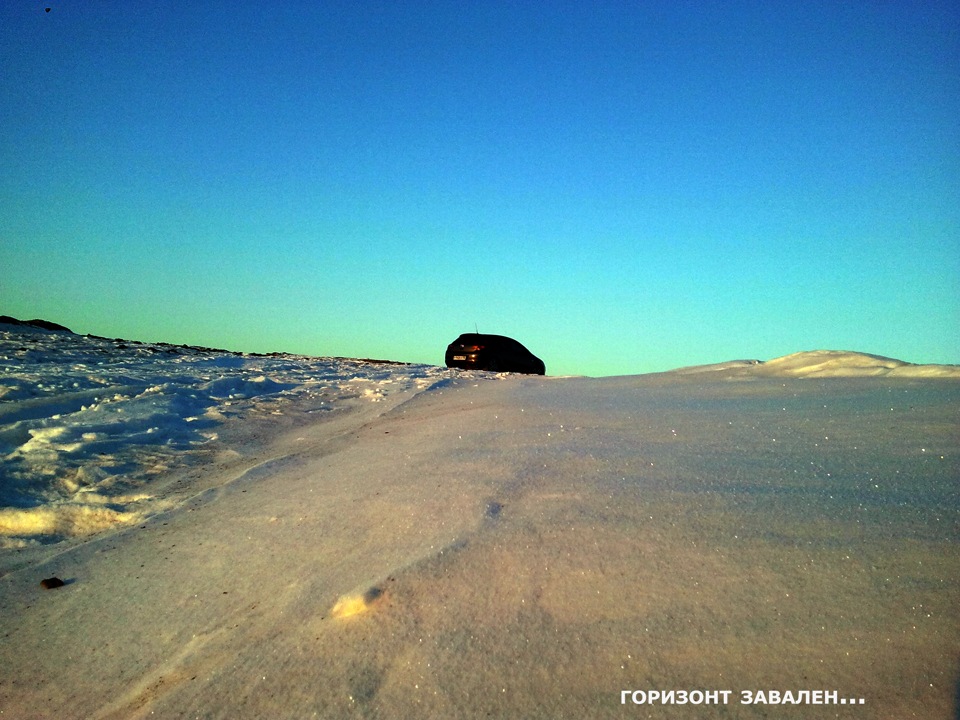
<point x="86" y="423"/>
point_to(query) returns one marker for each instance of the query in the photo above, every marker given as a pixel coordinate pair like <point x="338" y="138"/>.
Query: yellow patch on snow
<point x="67" y="520"/>
<point x="350" y="605"/>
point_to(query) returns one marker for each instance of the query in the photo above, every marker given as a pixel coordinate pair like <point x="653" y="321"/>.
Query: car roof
<point x="485" y="336"/>
<point x="492" y="339"/>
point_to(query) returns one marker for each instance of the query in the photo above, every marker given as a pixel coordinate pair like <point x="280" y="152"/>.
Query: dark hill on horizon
<point x="41" y="324"/>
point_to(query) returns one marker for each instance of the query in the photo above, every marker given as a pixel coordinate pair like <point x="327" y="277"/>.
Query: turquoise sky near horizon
<point x="623" y="187"/>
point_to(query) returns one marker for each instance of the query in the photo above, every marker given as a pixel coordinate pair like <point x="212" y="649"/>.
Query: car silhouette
<point x="476" y="351"/>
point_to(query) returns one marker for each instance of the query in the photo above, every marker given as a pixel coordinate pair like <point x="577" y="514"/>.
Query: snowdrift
<point x="220" y="536"/>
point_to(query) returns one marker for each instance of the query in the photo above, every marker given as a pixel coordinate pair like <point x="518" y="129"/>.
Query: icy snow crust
<point x="91" y="428"/>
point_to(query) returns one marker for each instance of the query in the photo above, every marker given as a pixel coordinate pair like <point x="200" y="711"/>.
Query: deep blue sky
<point x="623" y="186"/>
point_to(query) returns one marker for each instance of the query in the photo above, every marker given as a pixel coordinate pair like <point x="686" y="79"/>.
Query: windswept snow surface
<point x="92" y="429"/>
<point x="523" y="547"/>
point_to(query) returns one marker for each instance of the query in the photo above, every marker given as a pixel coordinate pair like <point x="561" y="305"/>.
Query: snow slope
<point x="93" y="430"/>
<point x="338" y="539"/>
<point x="89" y="427"/>
<point x="527" y="548"/>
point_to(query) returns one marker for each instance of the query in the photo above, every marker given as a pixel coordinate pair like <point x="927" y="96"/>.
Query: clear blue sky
<point x="622" y="186"/>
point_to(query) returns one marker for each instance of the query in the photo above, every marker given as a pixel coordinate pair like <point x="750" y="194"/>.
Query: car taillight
<point x="472" y="348"/>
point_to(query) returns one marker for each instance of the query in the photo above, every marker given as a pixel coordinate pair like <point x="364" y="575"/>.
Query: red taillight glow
<point x="472" y="348"/>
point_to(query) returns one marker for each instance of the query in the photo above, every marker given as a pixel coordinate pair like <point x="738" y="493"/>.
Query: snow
<point x="89" y="425"/>
<point x="248" y="537"/>
<point x="826" y="363"/>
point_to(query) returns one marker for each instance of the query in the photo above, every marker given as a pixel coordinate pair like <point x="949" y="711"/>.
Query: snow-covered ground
<point x="339" y="539"/>
<point x="88" y="425"/>
<point x="92" y="429"/>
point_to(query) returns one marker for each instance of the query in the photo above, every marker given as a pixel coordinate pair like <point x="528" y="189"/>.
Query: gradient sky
<point x="624" y="187"/>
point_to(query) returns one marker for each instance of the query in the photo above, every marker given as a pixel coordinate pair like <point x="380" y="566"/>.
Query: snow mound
<point x="841" y="363"/>
<point x="823" y="364"/>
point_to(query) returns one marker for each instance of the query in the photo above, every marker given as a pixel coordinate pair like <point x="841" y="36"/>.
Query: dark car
<point x="474" y="351"/>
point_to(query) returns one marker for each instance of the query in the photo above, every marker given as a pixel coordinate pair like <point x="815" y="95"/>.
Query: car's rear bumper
<point x="464" y="361"/>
